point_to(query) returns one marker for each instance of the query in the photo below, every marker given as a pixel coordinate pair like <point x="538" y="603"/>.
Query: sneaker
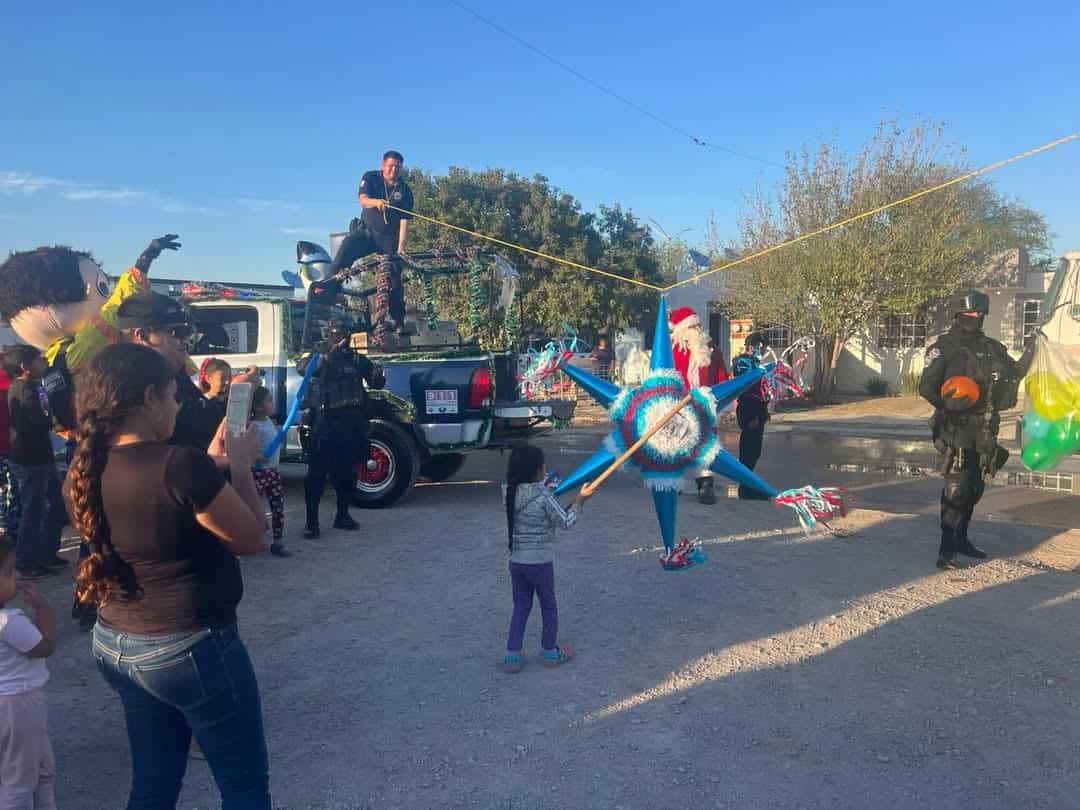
<point x="947" y="563"/>
<point x="346" y="523"/>
<point x="279" y="550"/>
<point x="34" y="572"/>
<point x="311" y="532"/>
<point x="513" y="663"/>
<point x="557" y="657"/>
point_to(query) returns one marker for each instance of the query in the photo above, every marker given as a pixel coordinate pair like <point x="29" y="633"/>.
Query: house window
<point x="1032" y="311"/>
<point x="778" y="335"/>
<point x="901" y="331"/>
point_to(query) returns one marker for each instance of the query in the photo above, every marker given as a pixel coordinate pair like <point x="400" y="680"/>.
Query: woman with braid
<point x="164" y="529"/>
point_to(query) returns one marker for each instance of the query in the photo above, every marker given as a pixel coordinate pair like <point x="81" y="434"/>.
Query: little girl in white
<point x="267" y="478"/>
<point x="26" y="755"/>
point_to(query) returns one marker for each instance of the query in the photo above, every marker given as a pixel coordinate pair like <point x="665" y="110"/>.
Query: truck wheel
<point x="442" y="467"/>
<point x="393" y="464"/>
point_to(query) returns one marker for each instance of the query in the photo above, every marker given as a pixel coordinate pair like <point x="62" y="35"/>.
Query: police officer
<point x="339" y="425"/>
<point x="967" y="418"/>
<point x="751" y="412"/>
<point x="383" y="228"/>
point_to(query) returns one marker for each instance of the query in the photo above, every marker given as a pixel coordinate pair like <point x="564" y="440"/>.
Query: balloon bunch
<point x="1051" y="422"/>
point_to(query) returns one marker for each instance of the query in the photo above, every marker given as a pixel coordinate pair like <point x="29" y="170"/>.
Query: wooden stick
<point x="592" y="486"/>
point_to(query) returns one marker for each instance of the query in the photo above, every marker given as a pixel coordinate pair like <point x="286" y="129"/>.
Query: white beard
<point x="695" y="342"/>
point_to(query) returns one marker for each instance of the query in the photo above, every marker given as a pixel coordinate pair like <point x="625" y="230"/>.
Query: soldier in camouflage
<point x="965" y="431"/>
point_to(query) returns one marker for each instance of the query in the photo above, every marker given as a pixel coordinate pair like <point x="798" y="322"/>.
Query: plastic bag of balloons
<point x="1051" y="426"/>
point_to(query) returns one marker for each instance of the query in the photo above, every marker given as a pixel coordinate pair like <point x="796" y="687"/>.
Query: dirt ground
<point x="840" y="670"/>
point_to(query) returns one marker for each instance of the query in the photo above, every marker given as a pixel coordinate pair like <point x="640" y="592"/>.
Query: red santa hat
<point x="684" y="318"/>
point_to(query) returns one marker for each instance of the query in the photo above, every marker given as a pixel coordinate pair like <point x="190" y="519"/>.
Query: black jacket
<point x="198" y="418"/>
<point x="960" y="352"/>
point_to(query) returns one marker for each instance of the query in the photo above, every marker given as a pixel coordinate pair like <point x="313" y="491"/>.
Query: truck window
<point x="226" y="330"/>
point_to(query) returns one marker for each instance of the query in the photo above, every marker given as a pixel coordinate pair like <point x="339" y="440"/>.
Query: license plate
<point x="441" y="401"/>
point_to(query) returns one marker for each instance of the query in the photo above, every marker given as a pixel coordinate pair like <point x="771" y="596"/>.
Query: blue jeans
<point x="42" y="515"/>
<point x="199" y="683"/>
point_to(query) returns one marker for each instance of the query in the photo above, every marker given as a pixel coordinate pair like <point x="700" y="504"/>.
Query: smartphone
<point x="238" y="409"/>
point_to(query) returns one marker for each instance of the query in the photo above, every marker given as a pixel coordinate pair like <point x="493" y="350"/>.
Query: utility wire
<point x="603" y="88"/>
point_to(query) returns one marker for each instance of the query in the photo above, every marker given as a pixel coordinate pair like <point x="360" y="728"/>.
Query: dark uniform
<point x="965" y="432"/>
<point x="751" y="412"/>
<point x="198" y="417"/>
<point x="339" y="435"/>
<point x="378" y="231"/>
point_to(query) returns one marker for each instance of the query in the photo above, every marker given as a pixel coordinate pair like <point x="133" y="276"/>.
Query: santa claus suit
<point x="690" y="348"/>
<point x="693" y="358"/>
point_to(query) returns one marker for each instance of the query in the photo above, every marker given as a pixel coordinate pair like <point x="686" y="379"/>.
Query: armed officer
<point x="339" y="424"/>
<point x="969" y="378"/>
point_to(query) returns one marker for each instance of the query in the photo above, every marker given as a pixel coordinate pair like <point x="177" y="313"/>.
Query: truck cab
<point x="440" y="402"/>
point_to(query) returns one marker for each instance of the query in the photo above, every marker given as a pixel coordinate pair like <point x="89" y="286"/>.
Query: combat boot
<point x="969" y="549"/>
<point x="345" y="522"/>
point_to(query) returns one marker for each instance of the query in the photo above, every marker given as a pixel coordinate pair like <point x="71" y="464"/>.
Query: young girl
<point x="215" y="375"/>
<point x="26" y="756"/>
<point x="267" y="478"/>
<point x="532" y="516"/>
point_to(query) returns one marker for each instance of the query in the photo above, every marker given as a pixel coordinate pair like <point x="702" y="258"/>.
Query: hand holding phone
<point x="238" y="409"/>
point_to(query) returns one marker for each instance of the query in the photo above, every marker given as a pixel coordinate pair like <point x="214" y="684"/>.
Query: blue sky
<point x="244" y="127"/>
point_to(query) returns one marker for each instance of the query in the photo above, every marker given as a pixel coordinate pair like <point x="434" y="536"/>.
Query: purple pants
<point x="528" y="579"/>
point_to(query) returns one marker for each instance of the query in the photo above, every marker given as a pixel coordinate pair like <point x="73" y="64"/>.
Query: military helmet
<point x="970" y="301"/>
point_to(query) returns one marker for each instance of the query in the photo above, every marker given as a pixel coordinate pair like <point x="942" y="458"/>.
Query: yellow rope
<point x="803" y="237"/>
<point x="764" y="251"/>
<point x="530" y="251"/>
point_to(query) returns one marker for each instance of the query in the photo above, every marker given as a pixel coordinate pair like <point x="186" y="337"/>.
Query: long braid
<point x="525" y="464"/>
<point x="113" y="388"/>
<point x="104" y="575"/>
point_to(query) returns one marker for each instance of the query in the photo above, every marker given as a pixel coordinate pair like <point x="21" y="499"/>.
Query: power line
<point x="603" y="88"/>
<point x="764" y="251"/>
<point x="848" y="220"/>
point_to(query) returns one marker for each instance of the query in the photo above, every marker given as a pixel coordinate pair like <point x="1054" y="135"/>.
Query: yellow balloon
<point x="1072" y="386"/>
<point x="1050" y="397"/>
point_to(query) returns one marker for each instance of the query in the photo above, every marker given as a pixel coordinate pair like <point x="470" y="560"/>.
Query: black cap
<point x="150" y="310"/>
<point x="758" y="339"/>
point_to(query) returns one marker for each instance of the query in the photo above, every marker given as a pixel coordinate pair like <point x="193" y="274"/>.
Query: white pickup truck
<point x="439" y="403"/>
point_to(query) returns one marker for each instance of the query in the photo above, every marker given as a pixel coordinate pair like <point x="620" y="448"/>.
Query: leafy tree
<point x="835" y="285"/>
<point x="535" y="214"/>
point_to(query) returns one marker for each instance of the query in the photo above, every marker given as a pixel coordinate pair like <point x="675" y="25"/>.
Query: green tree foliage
<point x="835" y="285"/>
<point x="535" y="214"/>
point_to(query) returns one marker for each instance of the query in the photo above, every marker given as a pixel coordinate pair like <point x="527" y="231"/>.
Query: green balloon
<point x="1060" y="438"/>
<point x="1037" y="455"/>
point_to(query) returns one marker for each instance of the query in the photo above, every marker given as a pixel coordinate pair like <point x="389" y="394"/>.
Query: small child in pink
<point x="267" y="478"/>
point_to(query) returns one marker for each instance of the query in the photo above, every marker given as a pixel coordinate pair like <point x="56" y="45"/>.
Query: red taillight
<point x="481" y="388"/>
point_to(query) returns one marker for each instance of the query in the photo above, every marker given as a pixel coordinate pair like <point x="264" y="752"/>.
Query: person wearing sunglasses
<point x="162" y="323"/>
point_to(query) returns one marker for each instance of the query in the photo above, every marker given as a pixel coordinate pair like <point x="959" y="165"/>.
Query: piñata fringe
<point x="813" y="505"/>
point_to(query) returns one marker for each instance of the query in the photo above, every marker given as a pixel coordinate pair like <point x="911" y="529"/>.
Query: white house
<point x="894" y="346"/>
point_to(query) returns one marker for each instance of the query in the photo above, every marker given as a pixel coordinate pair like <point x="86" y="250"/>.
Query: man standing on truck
<point x="383" y="229"/>
<point x="339" y="427"/>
